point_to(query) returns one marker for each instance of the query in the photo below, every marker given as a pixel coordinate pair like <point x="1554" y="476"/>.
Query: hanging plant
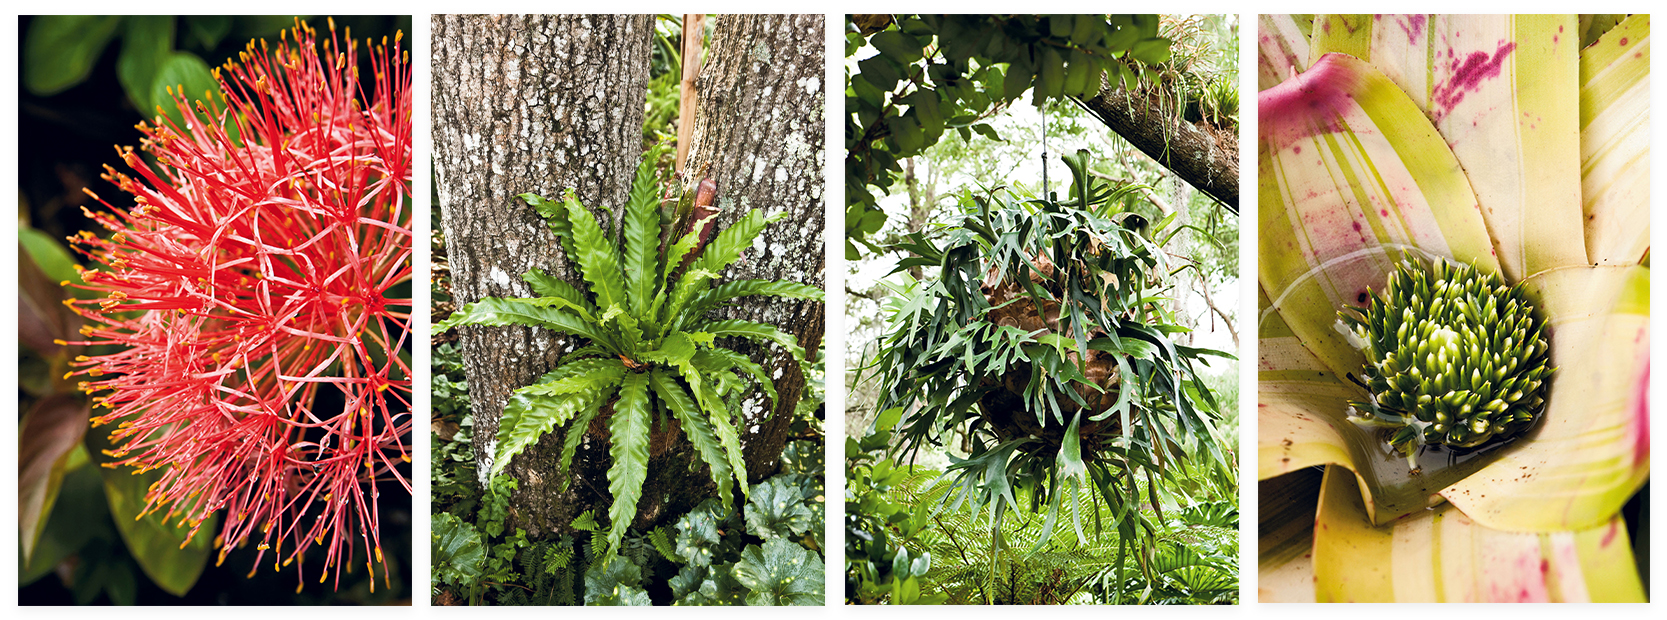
<point x="1044" y="346"/>
<point x="651" y="351"/>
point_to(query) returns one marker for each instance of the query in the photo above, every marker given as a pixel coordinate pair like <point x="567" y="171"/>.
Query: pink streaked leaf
<point x="1442" y="555"/>
<point x="1503" y="92"/>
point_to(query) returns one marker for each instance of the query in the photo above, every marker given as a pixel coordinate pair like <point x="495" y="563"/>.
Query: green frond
<point x="526" y="418"/>
<point x="724" y="248"/>
<point x="718" y="414"/>
<point x="681" y="249"/>
<point x="710" y="299"/>
<point x="727" y="245"/>
<point x="757" y="332"/>
<point x="577" y="376"/>
<point x="698" y="430"/>
<point x="595" y="254"/>
<point x="629" y="427"/>
<point x="630" y="331"/>
<point x="555" y="215"/>
<point x="642" y="236"/>
<point x="551" y="287"/>
<point x="675" y="350"/>
<point x="688" y="286"/>
<point x="498" y="312"/>
<point x="713" y="360"/>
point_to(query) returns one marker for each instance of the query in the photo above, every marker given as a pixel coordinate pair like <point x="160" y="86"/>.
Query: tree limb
<point x="1208" y="162"/>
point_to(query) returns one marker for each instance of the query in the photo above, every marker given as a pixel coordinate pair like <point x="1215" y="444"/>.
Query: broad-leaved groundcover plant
<point x="651" y="352"/>
<point x="257" y="297"/>
<point x="1454" y="329"/>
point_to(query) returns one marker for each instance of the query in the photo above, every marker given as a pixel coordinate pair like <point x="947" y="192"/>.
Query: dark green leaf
<point x="1016" y="80"/>
<point x="1151" y="51"/>
<point x="456" y="550"/>
<point x="614" y="581"/>
<point x="147" y="41"/>
<point x="60" y="50"/>
<point x="629" y="427"/>
<point x="880" y="72"/>
<point x="780" y="573"/>
<point x="901" y="48"/>
<point x="1051" y="82"/>
<point x="906" y="131"/>
<point x="161" y="547"/>
<point x="184" y="74"/>
<point x="1077" y="74"/>
<point x="208" y="30"/>
<point x="1088" y="30"/>
<point x="77" y="517"/>
<point x="775" y="509"/>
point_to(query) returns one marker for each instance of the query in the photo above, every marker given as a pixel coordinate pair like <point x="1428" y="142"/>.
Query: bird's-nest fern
<point x="651" y="349"/>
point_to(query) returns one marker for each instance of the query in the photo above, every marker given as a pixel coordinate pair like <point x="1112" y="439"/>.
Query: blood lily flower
<point x="1516" y="145"/>
<point x="250" y="290"/>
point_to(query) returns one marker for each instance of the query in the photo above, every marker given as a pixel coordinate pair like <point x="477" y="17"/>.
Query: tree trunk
<point x="529" y="104"/>
<point x="1205" y="157"/>
<point x="543" y="103"/>
<point x="759" y="135"/>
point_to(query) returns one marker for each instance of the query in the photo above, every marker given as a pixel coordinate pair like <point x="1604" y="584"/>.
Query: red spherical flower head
<point x="248" y="287"/>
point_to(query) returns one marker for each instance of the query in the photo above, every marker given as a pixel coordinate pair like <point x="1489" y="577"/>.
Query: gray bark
<point x="528" y="104"/>
<point x="759" y="135"/>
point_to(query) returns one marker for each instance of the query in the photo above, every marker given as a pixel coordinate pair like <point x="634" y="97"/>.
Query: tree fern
<point x="651" y="345"/>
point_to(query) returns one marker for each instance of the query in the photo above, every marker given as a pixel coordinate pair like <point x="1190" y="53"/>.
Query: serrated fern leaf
<point x="498" y="312"/>
<point x="697" y="429"/>
<point x="629" y="427"/>
<point x="713" y="360"/>
<point x="526" y="418"/>
<point x="576" y="376"/>
<point x="692" y="283"/>
<point x="554" y="214"/>
<point x="722" y="250"/>
<point x="684" y="245"/>
<point x="595" y="254"/>
<point x="675" y="350"/>
<point x="551" y="287"/>
<point x="745" y="288"/>
<point x="728" y="244"/>
<point x="757" y="332"/>
<point x="662" y="543"/>
<point x="642" y="236"/>
<point x="718" y="414"/>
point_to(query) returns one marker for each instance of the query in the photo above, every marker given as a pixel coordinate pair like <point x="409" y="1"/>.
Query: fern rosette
<point x="652" y="351"/>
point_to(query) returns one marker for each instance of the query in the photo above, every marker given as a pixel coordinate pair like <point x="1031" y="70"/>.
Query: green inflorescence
<point x="1453" y="357"/>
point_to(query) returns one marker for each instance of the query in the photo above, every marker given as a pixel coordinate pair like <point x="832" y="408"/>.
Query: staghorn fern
<point x="651" y="347"/>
